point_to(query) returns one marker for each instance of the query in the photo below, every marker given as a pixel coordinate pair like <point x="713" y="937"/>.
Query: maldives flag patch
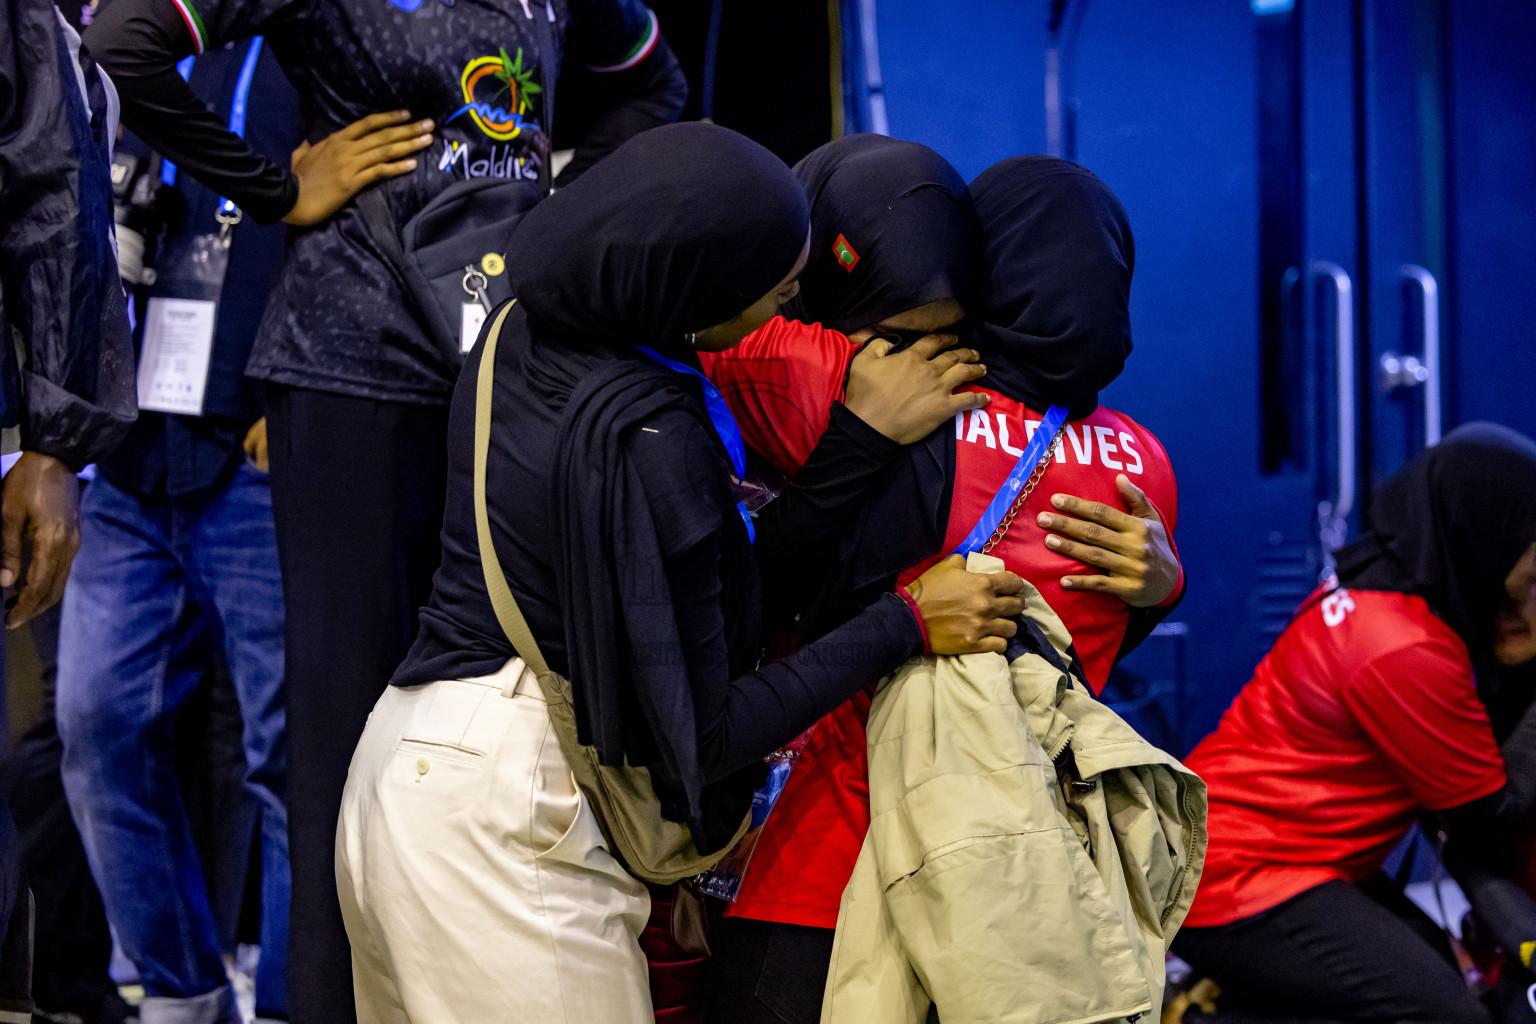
<point x="846" y="257"/>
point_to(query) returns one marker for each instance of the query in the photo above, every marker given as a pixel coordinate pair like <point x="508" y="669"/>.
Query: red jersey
<point x="781" y="383"/>
<point x="1362" y="715"/>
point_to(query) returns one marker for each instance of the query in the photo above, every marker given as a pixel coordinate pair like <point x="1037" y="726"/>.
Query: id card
<point x="178" y="344"/>
<point x="469" y="326"/>
<point x="723" y="881"/>
<point x="179" y="324"/>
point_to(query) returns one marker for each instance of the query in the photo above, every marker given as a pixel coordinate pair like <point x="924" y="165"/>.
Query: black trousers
<point x="223" y="814"/>
<point x="357" y="493"/>
<point x="1334" y="953"/>
<point x="761" y="972"/>
<point x="72" y="946"/>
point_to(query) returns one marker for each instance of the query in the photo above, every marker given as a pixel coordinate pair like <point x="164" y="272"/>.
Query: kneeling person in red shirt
<point x="1364" y="716"/>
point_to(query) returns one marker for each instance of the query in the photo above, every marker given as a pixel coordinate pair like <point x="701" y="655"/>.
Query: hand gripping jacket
<point x="1029" y="856"/>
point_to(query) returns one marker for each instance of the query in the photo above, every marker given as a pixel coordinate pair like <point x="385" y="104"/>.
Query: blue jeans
<point x="151" y="575"/>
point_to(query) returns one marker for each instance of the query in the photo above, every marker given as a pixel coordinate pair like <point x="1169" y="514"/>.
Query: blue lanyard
<point x="1045" y="433"/>
<point x="236" y="111"/>
<point x="724" y="423"/>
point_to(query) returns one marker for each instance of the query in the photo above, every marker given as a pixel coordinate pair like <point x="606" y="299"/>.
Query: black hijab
<point x="680" y="228"/>
<point x="1449" y="528"/>
<point x="891" y="229"/>
<point x="1053" y="314"/>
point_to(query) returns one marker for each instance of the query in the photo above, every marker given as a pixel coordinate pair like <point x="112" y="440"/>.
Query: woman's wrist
<point x="1178" y="592"/>
<point x="850" y="425"/>
<point x="910" y="600"/>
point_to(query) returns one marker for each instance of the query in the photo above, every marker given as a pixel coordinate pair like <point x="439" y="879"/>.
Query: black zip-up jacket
<point x="71" y="390"/>
<point x="340" y="319"/>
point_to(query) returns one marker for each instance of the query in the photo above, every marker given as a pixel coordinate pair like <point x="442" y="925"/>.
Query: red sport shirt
<point x="1363" y="714"/>
<point x="781" y="383"/>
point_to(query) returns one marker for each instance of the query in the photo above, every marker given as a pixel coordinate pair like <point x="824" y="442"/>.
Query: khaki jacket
<point x="1029" y="856"/>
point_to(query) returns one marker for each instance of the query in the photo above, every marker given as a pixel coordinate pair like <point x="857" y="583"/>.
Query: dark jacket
<point x="66" y="361"/>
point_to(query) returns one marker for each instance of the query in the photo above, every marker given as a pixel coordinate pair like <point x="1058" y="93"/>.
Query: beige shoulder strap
<point x="507" y="612"/>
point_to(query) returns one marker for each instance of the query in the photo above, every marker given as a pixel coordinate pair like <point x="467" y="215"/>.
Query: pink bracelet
<point x="922" y="626"/>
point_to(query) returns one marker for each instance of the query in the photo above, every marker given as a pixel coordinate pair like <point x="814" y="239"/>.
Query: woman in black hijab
<point x="474" y="878"/>
<point x="894" y="240"/>
<point x="1366" y="714"/>
<point x="1051" y="319"/>
<point x="894" y="251"/>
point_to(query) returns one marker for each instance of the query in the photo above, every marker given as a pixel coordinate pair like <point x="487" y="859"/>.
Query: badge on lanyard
<point x="476" y="278"/>
<point x="189" y="277"/>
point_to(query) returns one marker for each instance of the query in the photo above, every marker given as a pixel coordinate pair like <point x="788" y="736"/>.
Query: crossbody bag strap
<point x="507" y="612"/>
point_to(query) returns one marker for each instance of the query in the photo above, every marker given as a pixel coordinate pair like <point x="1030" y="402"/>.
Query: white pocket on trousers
<point x="428" y="752"/>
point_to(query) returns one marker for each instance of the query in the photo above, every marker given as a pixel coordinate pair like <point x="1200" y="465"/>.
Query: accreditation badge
<point x="179" y="323"/>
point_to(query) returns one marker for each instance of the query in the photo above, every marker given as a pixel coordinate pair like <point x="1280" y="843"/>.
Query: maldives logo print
<point x="846" y="257"/>
<point x="496" y="95"/>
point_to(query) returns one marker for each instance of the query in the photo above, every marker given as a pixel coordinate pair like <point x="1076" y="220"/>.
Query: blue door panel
<point x="1166" y="116"/>
<point x="1492" y="85"/>
<point x="1404" y="215"/>
<point x="965" y="78"/>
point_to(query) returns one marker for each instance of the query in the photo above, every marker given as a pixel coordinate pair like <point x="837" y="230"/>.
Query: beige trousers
<point x="475" y="883"/>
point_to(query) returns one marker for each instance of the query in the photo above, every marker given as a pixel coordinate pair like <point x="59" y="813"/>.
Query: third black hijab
<point x="1053" y="313"/>
<point x="891" y="229"/>
<point x="1449" y="528"/>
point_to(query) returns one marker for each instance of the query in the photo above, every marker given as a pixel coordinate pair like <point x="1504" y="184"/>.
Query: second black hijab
<point x="891" y="229"/>
<point x="1053" y="313"/>
<point x="680" y="228"/>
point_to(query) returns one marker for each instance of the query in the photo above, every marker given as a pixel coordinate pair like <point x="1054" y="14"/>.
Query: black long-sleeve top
<point x="339" y="320"/>
<point x="723" y="589"/>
